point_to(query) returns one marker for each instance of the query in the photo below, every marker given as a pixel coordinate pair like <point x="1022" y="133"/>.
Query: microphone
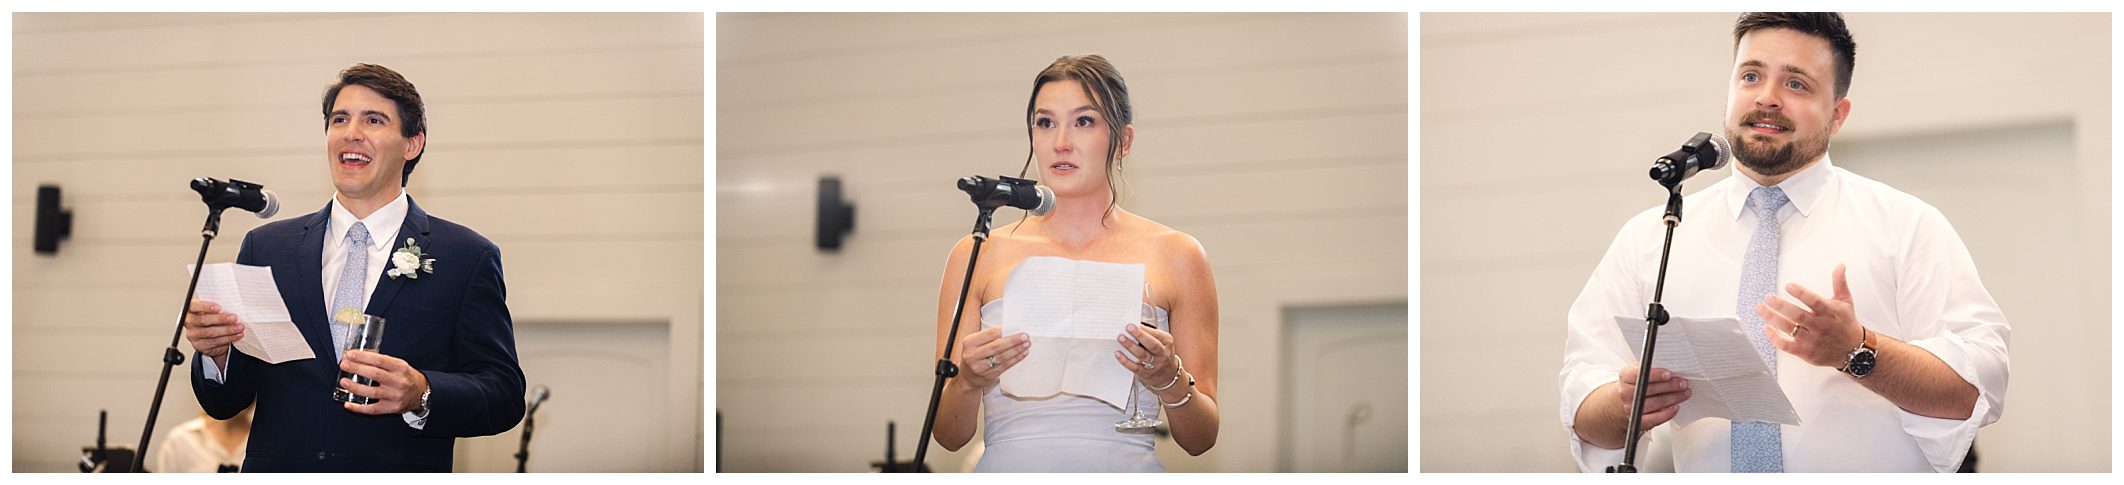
<point x="1009" y="191"/>
<point x="539" y="395"/>
<point x="1704" y="151"/>
<point x="237" y="193"/>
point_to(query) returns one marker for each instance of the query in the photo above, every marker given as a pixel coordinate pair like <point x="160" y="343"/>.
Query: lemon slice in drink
<point x="347" y="316"/>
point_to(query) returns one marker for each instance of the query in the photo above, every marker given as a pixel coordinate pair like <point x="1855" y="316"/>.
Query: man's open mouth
<point x="354" y="159"/>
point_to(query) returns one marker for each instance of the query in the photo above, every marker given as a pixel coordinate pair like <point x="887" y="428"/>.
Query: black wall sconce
<point x="836" y="215"/>
<point x="53" y="223"/>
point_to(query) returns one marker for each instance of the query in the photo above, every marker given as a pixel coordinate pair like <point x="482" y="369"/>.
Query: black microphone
<point x="1009" y="191"/>
<point x="539" y="395"/>
<point x="1702" y="152"/>
<point x="237" y="193"/>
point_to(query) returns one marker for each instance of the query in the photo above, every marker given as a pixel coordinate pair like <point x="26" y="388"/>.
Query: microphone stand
<point x="892" y="464"/>
<point x="946" y="369"/>
<point x="523" y="446"/>
<point x="170" y="356"/>
<point x="1655" y="316"/>
<point x="93" y="459"/>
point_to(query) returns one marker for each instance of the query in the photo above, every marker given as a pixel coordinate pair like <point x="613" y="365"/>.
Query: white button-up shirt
<point x="1910" y="277"/>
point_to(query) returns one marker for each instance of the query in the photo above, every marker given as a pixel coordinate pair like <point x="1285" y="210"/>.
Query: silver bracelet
<point x="1183" y="400"/>
<point x="1178" y="368"/>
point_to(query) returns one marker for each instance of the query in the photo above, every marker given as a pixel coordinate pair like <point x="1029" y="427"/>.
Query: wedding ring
<point x="991" y="362"/>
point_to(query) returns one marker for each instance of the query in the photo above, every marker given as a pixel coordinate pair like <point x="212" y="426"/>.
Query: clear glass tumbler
<point x="364" y="332"/>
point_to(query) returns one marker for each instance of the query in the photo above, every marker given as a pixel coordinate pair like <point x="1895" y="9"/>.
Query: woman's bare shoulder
<point x="1172" y="243"/>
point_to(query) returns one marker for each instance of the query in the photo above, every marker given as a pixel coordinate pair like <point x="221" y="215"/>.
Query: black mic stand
<point x="104" y="459"/>
<point x="170" y="356"/>
<point x="1655" y="316"/>
<point x="891" y="464"/>
<point x="946" y="369"/>
<point x="92" y="459"/>
<point x="523" y="446"/>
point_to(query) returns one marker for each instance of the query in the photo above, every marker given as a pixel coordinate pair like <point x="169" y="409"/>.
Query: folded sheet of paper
<point x="1727" y="378"/>
<point x="248" y="291"/>
<point x="1073" y="310"/>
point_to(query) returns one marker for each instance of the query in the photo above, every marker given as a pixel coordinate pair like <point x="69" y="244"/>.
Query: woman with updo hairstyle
<point x="1079" y="124"/>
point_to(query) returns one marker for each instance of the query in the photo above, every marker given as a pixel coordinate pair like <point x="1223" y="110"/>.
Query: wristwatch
<point x="424" y="400"/>
<point x="1860" y="362"/>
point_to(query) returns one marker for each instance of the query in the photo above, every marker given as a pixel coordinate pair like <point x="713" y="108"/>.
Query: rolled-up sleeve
<point x="1593" y="347"/>
<point x="1947" y="312"/>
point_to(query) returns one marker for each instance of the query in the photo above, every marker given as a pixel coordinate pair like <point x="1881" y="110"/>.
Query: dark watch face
<point x="1861" y="363"/>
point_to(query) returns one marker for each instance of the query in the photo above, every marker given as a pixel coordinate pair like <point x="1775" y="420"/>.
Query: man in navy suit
<point x="447" y="367"/>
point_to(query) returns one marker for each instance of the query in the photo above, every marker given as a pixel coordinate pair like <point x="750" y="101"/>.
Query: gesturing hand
<point x="1823" y="332"/>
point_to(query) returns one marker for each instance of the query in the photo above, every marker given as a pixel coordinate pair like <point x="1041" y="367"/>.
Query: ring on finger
<point x="991" y="362"/>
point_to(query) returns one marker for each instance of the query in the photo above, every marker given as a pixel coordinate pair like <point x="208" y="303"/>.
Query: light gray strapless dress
<point x="1066" y="432"/>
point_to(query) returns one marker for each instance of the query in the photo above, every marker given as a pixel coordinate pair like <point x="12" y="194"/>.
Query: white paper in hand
<point x="1727" y="378"/>
<point x="1073" y="310"/>
<point x="249" y="292"/>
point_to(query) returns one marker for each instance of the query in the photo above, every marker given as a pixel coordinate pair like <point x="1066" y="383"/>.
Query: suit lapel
<point x="308" y="299"/>
<point x="414" y="227"/>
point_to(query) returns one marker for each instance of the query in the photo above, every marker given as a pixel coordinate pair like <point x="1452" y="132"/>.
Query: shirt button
<point x="320" y="456"/>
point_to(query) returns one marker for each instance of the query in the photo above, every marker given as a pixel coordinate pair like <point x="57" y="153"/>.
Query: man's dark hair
<point x="413" y="117"/>
<point x="1827" y="25"/>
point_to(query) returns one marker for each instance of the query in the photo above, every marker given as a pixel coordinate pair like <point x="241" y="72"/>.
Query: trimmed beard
<point x="1782" y="160"/>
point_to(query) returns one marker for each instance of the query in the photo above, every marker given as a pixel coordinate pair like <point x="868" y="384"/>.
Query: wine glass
<point x="1136" y="421"/>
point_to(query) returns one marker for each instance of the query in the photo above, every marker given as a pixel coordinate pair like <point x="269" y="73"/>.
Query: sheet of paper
<point x="1727" y="378"/>
<point x="1073" y="310"/>
<point x="249" y="292"/>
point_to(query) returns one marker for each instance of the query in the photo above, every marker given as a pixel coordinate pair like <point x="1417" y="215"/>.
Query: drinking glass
<point x="1137" y="422"/>
<point x="364" y="332"/>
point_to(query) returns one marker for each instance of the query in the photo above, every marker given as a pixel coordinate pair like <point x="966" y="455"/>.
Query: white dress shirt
<point x="383" y="225"/>
<point x="383" y="231"/>
<point x="1910" y="277"/>
<point x="188" y="448"/>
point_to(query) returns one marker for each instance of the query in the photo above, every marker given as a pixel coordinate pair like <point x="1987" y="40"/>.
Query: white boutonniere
<point x="410" y="262"/>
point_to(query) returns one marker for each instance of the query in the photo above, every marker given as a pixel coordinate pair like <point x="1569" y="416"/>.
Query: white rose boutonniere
<point x="410" y="262"/>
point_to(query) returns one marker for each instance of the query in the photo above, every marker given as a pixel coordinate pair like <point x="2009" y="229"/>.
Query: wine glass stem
<point x="1133" y="411"/>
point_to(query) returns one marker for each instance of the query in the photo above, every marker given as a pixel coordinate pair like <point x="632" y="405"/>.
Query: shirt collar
<point x="382" y="223"/>
<point x="1803" y="189"/>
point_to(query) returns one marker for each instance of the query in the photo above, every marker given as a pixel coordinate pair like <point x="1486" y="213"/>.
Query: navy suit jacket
<point x="452" y="325"/>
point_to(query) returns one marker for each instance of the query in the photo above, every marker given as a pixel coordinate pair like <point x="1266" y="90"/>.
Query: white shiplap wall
<point x="1538" y="128"/>
<point x="574" y="141"/>
<point x="1279" y="141"/>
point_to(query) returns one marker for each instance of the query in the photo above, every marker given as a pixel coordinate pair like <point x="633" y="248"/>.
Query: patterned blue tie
<point x="1758" y="447"/>
<point x="352" y="277"/>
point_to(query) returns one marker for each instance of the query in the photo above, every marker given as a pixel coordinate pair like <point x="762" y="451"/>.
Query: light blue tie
<point x="1758" y="447"/>
<point x="347" y="293"/>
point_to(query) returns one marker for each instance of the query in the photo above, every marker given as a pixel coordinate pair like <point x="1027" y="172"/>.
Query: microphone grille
<point x="1047" y="200"/>
<point x="272" y="204"/>
<point x="1725" y="151"/>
